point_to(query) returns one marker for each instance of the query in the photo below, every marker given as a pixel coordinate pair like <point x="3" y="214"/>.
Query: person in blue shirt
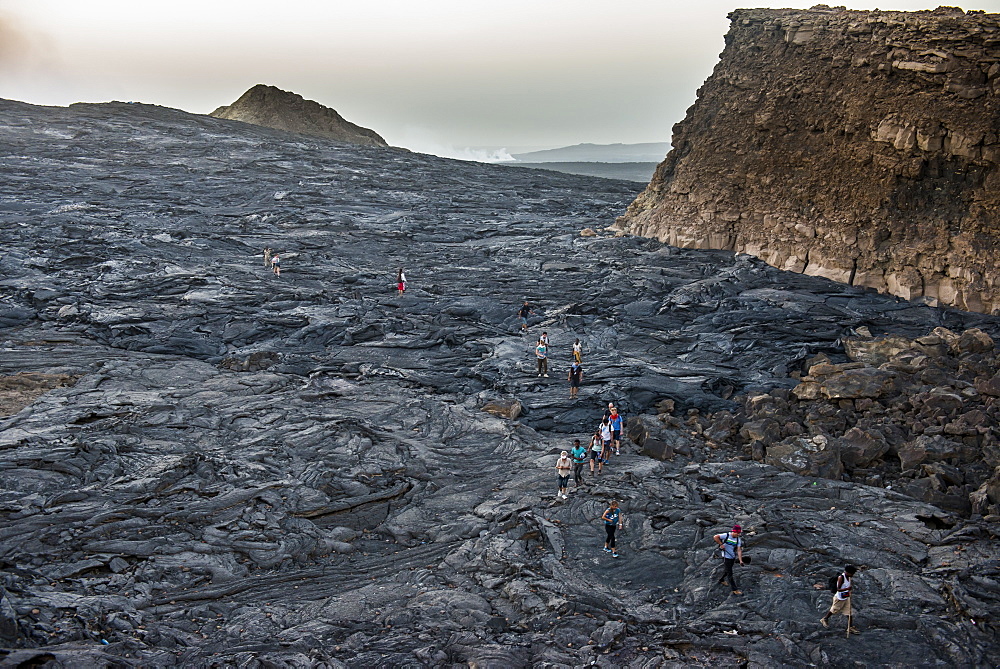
<point x="613" y="520"/>
<point x="615" y="420"/>
<point x="731" y="547"/>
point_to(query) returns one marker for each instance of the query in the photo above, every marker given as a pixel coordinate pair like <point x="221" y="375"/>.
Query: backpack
<point x="831" y="583"/>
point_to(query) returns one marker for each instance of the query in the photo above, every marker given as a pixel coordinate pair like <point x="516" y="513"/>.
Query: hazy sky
<point x="431" y="75"/>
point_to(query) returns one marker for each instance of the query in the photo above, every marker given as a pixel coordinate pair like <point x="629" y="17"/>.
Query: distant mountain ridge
<point x="272" y="107"/>
<point x="646" y="152"/>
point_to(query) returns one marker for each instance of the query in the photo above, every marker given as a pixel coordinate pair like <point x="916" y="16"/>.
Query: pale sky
<point x="437" y="76"/>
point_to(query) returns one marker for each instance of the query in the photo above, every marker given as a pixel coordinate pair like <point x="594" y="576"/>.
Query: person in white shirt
<point x="842" y="598"/>
<point x="564" y="465"/>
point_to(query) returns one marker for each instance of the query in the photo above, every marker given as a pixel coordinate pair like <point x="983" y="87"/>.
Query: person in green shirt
<point x="579" y="454"/>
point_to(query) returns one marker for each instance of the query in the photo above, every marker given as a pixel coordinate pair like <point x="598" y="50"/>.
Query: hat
<point x="565" y="452"/>
<point x="737" y="528"/>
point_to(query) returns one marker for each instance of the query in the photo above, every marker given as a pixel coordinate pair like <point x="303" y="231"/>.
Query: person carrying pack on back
<point x="730" y="545"/>
<point x="841" y="587"/>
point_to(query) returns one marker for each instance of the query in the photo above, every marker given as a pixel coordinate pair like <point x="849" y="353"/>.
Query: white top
<point x="844" y="591"/>
<point x="605" y="432"/>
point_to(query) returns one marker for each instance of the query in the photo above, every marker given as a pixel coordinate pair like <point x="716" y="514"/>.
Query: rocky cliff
<point x="274" y="108"/>
<point x="859" y="146"/>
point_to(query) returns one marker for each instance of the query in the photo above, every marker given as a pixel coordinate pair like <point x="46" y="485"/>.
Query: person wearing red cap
<point x="731" y="547"/>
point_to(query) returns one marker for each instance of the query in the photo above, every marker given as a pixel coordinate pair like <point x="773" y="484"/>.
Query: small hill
<point x="272" y="107"/>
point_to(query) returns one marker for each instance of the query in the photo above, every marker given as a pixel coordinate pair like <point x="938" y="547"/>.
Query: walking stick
<point x="849" y="616"/>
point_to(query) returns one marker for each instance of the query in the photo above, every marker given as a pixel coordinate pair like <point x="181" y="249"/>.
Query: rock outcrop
<point x="858" y="146"/>
<point x="274" y="108"/>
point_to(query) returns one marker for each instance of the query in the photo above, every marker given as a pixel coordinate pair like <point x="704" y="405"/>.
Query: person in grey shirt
<point x="731" y="547"/>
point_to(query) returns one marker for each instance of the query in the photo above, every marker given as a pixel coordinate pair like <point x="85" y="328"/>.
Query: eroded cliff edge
<point x="859" y="146"/>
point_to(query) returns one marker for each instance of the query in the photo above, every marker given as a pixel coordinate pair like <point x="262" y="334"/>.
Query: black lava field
<point x="233" y="468"/>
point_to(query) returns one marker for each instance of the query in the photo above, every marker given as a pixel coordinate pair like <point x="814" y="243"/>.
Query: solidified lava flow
<point x="206" y="464"/>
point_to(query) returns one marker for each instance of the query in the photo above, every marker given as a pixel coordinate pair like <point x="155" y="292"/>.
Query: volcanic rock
<point x="274" y="108"/>
<point x="860" y="146"/>
<point x="251" y="470"/>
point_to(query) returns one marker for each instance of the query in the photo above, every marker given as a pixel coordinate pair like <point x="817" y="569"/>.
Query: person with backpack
<point x="613" y="520"/>
<point x="841" y="587"/>
<point x="730" y="545"/>
<point x="579" y="454"/>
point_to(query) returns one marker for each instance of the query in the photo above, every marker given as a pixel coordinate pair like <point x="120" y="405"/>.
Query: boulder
<point x="657" y="449"/>
<point x="855" y="383"/>
<point x="860" y="449"/>
<point x="875" y="352"/>
<point x="503" y="408"/>
<point x="933" y="448"/>
<point x="988" y="385"/>
<point x="815" y="457"/>
<point x="766" y="430"/>
<point x="972" y="341"/>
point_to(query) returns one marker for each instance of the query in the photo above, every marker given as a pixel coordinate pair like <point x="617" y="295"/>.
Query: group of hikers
<point x="575" y="373"/>
<point x="273" y="261"/>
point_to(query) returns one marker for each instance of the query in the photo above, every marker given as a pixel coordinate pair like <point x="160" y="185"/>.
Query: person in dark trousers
<point x="579" y="454"/>
<point x="842" y="599"/>
<point x="615" y="421"/>
<point x="596" y="448"/>
<point x="575" y="378"/>
<point x="542" y="353"/>
<point x="613" y="520"/>
<point x="523" y="313"/>
<point x="731" y="547"/>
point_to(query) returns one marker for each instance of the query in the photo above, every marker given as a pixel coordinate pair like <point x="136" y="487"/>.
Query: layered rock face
<point x="858" y="146"/>
<point x="274" y="108"/>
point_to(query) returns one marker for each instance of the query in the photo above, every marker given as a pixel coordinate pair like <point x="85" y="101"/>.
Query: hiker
<point x="276" y="265"/>
<point x="596" y="446"/>
<point x="523" y="313"/>
<point x="842" y="599"/>
<point x="731" y="547"/>
<point x="563" y="467"/>
<point x="578" y="351"/>
<point x="400" y="281"/>
<point x="542" y="353"/>
<point x="613" y="520"/>
<point x="544" y="338"/>
<point x="606" y="435"/>
<point x="579" y="454"/>
<point x="615" y="421"/>
<point x="267" y="257"/>
<point x="575" y="378"/>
